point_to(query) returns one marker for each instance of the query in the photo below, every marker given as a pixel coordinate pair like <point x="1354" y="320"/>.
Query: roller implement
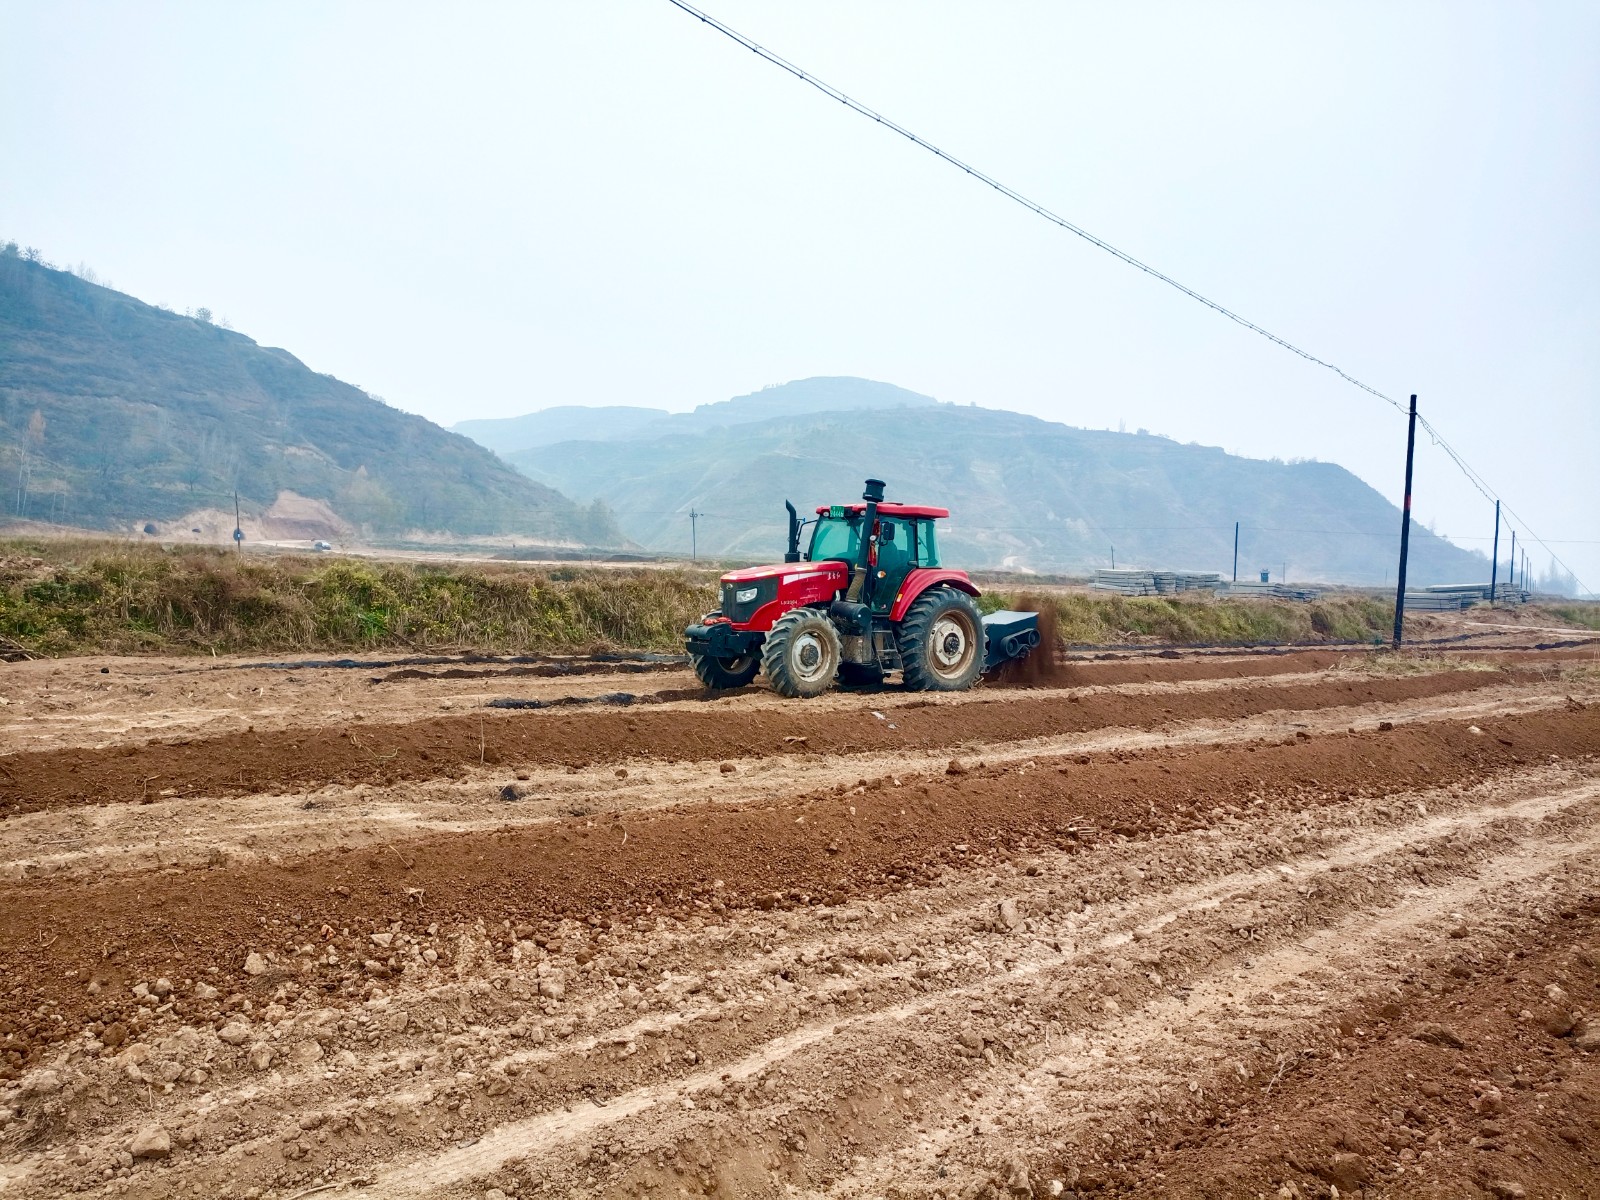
<point x="868" y="596"/>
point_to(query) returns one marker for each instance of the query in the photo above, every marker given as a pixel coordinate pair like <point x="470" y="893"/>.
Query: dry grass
<point x="85" y="597"/>
<point x="1111" y="620"/>
<point x="1413" y="662"/>
<point x="1581" y="614"/>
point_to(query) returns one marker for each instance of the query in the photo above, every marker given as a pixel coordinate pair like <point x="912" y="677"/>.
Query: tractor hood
<point x="757" y="596"/>
<point x="790" y="572"/>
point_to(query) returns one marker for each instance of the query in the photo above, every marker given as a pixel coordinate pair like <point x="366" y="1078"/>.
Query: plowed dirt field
<point x="1304" y="924"/>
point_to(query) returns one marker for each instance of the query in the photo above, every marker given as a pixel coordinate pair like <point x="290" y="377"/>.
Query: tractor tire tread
<point x="917" y="627"/>
<point x="719" y="678"/>
<point x="775" y="653"/>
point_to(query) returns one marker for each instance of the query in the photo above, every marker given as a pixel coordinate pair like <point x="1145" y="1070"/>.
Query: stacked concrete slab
<point x="1272" y="591"/>
<point x="1452" y="597"/>
<point x="1126" y="583"/>
<point x="1155" y="583"/>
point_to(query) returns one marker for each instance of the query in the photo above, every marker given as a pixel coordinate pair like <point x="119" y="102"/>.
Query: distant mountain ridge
<point x="548" y="426"/>
<point x="115" y="414"/>
<point x="1025" y="494"/>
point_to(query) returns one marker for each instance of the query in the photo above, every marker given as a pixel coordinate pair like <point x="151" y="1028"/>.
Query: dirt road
<point x="1255" y="925"/>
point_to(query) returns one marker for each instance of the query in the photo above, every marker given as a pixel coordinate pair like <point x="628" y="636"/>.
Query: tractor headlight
<point x="745" y="595"/>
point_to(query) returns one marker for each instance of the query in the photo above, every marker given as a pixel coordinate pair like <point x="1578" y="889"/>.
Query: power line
<point x="1032" y="205"/>
<point x="1035" y="207"/>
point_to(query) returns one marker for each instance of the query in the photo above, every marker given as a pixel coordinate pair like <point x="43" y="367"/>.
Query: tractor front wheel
<point x="941" y="642"/>
<point x="723" y="673"/>
<point x="801" y="653"/>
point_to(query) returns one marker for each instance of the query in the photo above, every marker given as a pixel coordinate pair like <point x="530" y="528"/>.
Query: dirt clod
<point x="1347" y="1171"/>
<point x="1439" y="1035"/>
<point x="152" y="1141"/>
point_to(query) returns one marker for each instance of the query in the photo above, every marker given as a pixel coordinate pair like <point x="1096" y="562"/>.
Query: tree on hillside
<point x="32" y="443"/>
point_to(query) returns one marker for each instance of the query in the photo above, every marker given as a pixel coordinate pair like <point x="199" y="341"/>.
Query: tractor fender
<point x="920" y="580"/>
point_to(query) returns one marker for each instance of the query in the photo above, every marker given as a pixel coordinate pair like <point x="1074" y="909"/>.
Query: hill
<point x="567" y="422"/>
<point x="548" y="426"/>
<point x="1025" y="494"/>
<point x="114" y="414"/>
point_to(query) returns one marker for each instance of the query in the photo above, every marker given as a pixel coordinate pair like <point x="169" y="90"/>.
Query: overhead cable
<point x="1034" y="206"/>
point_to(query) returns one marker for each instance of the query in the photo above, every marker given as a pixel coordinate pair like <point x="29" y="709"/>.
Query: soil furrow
<point x="384" y="755"/>
<point x="676" y="863"/>
<point x="1043" y="986"/>
<point x="768" y="1019"/>
<point x="1512" y="1110"/>
<point x="115" y="839"/>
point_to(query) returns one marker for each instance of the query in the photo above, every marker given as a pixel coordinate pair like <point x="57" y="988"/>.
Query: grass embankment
<point x="1109" y="620"/>
<point x="1583" y="615"/>
<point x="85" y="597"/>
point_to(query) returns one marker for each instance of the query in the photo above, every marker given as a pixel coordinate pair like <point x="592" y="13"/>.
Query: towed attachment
<point x="1008" y="636"/>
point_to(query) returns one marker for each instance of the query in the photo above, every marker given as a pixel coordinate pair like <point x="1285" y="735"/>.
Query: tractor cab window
<point x="836" y="538"/>
<point x="927" y="547"/>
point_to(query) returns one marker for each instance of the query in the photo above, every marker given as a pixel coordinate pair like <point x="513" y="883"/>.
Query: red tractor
<point x="867" y="597"/>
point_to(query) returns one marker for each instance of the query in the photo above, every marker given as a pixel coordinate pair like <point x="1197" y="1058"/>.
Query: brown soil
<point x="1498" y="1096"/>
<point x="384" y="755"/>
<point x="1164" y="928"/>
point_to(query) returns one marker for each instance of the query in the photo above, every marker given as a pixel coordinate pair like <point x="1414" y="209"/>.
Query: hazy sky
<point x="478" y="209"/>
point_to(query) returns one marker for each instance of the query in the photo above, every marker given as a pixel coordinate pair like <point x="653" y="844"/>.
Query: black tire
<point x="859" y="675"/>
<point x="801" y="653"/>
<point x="720" y="674"/>
<point x="941" y="642"/>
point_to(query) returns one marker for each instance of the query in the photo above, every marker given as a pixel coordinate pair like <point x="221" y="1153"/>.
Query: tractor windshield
<point x="836" y="537"/>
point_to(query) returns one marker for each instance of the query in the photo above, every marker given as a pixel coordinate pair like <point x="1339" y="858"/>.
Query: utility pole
<point x="1236" y="552"/>
<point x="1405" y="527"/>
<point x="238" y="529"/>
<point x="694" y="541"/>
<point x="1511" y="571"/>
<point x="1494" y="554"/>
<point x="1113" y="557"/>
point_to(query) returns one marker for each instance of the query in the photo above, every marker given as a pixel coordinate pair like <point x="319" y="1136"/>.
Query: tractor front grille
<point x="739" y="613"/>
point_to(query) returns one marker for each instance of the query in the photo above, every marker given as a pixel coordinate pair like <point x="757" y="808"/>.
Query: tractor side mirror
<point x="887" y="531"/>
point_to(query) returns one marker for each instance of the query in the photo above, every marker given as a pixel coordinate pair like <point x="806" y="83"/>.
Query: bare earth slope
<point x="1277" y="925"/>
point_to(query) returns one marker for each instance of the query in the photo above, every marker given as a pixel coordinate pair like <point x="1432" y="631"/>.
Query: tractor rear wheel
<point x="941" y="642"/>
<point x="723" y="673"/>
<point x="801" y="653"/>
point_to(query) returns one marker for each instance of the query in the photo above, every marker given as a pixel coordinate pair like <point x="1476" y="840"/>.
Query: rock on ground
<point x="150" y="1142"/>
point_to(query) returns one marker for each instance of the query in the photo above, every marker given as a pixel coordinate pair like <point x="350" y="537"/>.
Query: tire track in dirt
<point x="1511" y="1111"/>
<point x="389" y="754"/>
<point x="1113" y="1060"/>
<point x="1296" y="981"/>
<point x="769" y="1055"/>
<point x="819" y="848"/>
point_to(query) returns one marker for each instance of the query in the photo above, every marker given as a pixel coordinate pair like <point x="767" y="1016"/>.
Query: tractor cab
<point x="903" y="542"/>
